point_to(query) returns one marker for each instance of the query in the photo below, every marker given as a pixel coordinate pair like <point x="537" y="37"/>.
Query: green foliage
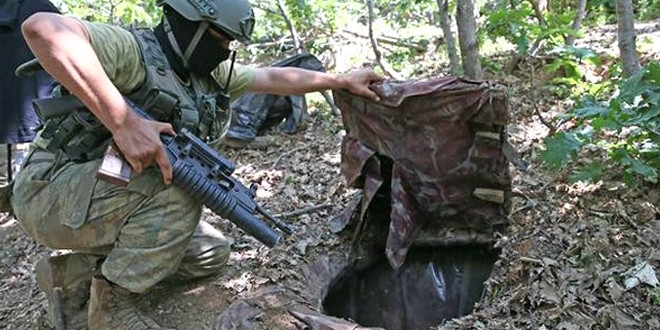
<point x="314" y="33"/>
<point x="520" y="27"/>
<point x="604" y="11"/>
<point x="626" y="127"/>
<point x="488" y="64"/>
<point x="401" y="58"/>
<point x="317" y="22"/>
<point x="513" y="25"/>
<point x="655" y="296"/>
<point x="123" y="12"/>
<point x="406" y="12"/>
<point x="647" y="9"/>
<point x="601" y="12"/>
<point x="570" y="67"/>
<point x="560" y="149"/>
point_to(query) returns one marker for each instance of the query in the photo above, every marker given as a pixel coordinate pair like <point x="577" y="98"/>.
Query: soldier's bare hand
<point x="140" y="144"/>
<point x="358" y="82"/>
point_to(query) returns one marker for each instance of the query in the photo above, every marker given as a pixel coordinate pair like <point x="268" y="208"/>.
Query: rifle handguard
<point x="216" y="197"/>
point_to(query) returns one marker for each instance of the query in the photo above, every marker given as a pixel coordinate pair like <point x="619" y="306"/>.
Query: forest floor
<point x="562" y="265"/>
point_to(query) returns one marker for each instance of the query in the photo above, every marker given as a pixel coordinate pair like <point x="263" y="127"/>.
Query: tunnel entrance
<point x="433" y="285"/>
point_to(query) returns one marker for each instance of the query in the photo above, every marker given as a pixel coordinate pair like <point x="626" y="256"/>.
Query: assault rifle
<point x="201" y="172"/>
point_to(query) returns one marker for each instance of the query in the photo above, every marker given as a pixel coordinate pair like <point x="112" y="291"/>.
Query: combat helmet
<point x="234" y="17"/>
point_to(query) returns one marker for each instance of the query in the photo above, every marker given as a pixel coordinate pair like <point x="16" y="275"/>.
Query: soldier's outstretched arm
<point x="292" y="80"/>
<point x="62" y="46"/>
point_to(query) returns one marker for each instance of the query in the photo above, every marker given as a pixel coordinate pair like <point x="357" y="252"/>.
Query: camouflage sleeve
<point x="241" y="80"/>
<point x="119" y="55"/>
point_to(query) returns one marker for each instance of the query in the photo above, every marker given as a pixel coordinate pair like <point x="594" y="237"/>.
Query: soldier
<point x="127" y="239"/>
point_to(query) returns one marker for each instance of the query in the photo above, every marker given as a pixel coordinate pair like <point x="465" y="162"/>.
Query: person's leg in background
<point x="4" y="175"/>
<point x="16" y="155"/>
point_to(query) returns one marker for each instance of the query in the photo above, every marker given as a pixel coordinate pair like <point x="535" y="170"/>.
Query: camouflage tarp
<point x="429" y="156"/>
<point x="429" y="153"/>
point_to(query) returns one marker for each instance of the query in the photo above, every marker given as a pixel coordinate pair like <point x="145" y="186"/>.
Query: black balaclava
<point x="206" y="56"/>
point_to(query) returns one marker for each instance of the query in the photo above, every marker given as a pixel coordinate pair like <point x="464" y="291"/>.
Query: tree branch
<point x="374" y="44"/>
<point x="305" y="210"/>
<point x="418" y="47"/>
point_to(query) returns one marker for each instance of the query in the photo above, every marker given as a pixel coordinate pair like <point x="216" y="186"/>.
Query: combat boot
<point x="111" y="307"/>
<point x="66" y="280"/>
<point x="259" y="142"/>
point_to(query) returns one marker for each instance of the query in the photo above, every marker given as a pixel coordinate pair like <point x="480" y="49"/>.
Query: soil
<point x="563" y="264"/>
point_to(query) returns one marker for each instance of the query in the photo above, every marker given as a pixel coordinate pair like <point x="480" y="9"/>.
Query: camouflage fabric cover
<point x="429" y="160"/>
<point x="432" y="150"/>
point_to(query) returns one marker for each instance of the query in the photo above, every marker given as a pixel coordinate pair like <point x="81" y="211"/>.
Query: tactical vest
<point x="162" y="95"/>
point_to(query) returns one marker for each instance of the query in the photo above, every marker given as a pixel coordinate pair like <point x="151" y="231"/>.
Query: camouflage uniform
<point x="127" y="239"/>
<point x="146" y="230"/>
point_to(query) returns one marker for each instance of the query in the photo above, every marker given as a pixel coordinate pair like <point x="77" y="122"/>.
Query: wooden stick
<point x="420" y="48"/>
<point x="531" y="260"/>
<point x="306" y="210"/>
<point x="285" y="154"/>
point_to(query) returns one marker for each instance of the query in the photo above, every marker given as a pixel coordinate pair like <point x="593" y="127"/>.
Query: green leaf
<point x="599" y="124"/>
<point x="642" y="169"/>
<point x="288" y="180"/>
<point x="522" y="45"/>
<point x="588" y="173"/>
<point x="648" y="115"/>
<point x="649" y="148"/>
<point x="632" y="87"/>
<point x="580" y="53"/>
<point x="589" y="111"/>
<point x="653" y="99"/>
<point x="653" y="72"/>
<point x="560" y="148"/>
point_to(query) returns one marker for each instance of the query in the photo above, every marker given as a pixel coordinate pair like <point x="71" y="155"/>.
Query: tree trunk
<point x="299" y="49"/>
<point x="445" y="23"/>
<point x="292" y="28"/>
<point x="540" y="7"/>
<point x="626" y="36"/>
<point x="467" y="39"/>
<point x="374" y="44"/>
<point x="581" y="11"/>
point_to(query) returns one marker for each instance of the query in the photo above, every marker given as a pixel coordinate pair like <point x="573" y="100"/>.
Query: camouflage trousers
<point x="147" y="230"/>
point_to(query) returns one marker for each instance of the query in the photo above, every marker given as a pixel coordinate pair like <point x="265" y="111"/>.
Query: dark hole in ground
<point x="434" y="284"/>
